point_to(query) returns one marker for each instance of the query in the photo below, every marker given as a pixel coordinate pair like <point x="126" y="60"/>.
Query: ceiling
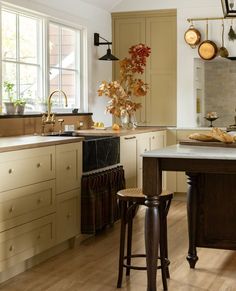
<point x="104" y="4"/>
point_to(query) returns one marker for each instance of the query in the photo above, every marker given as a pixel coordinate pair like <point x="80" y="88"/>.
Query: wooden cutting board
<point x="207" y="143"/>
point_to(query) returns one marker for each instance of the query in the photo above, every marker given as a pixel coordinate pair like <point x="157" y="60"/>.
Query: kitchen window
<point x="39" y="56"/>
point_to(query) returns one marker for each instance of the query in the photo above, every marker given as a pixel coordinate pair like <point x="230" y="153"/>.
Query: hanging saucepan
<point x="192" y="36"/>
<point x="207" y="50"/>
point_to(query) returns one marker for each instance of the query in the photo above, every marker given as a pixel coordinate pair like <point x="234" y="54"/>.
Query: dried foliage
<point x="122" y="91"/>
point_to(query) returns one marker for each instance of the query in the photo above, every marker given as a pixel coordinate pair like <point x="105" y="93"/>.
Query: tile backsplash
<point x="220" y="90"/>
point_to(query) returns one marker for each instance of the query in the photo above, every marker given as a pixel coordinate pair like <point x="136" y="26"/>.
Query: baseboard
<point x="180" y="196"/>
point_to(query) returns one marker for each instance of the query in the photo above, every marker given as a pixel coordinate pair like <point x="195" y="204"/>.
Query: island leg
<point x="192" y="257"/>
<point x="152" y="187"/>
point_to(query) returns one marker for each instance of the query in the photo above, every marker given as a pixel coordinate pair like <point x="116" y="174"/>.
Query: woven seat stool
<point x="129" y="200"/>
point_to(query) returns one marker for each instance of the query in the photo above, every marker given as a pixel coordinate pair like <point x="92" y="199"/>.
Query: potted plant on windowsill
<point x="9" y="105"/>
<point x="20" y="106"/>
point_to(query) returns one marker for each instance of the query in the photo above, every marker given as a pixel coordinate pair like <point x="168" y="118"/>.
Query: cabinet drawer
<point x="25" y="241"/>
<point x="24" y="204"/>
<point x="69" y="167"/>
<point x="68" y="215"/>
<point x="25" y="167"/>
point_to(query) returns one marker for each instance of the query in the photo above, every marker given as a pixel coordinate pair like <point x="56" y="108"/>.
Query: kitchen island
<point x="210" y="204"/>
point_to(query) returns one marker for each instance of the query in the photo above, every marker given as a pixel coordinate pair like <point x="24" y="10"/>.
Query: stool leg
<point x="163" y="246"/>
<point x="130" y="215"/>
<point x="122" y="242"/>
<point x="166" y="210"/>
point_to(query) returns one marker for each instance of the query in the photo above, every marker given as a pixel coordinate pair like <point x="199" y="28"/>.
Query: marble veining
<point x="193" y="152"/>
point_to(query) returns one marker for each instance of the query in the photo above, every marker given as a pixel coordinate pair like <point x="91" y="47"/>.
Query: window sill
<point x="27" y="115"/>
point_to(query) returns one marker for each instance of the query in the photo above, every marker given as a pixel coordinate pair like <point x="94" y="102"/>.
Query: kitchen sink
<point x="99" y="151"/>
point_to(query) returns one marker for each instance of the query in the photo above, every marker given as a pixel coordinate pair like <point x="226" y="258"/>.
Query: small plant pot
<point x="20" y="108"/>
<point x="10" y="108"/>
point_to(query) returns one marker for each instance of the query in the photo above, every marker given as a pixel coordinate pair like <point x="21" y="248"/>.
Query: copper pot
<point x="192" y="36"/>
<point x="207" y="50"/>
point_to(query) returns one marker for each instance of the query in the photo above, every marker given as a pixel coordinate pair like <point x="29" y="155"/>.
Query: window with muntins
<point x="39" y="56"/>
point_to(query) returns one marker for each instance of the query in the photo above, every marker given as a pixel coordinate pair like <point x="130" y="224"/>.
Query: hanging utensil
<point x="192" y="36"/>
<point x="223" y="52"/>
<point x="207" y="50"/>
<point x="231" y="33"/>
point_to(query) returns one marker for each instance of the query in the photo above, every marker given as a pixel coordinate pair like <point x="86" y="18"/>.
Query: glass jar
<point x="124" y="119"/>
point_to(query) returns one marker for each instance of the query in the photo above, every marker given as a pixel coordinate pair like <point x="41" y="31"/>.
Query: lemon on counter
<point x="115" y="126"/>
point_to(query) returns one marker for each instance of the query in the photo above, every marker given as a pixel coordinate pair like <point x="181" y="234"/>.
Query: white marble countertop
<point x="30" y="141"/>
<point x="193" y="152"/>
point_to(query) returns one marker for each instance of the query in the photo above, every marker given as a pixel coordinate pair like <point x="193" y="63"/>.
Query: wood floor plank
<point x="92" y="266"/>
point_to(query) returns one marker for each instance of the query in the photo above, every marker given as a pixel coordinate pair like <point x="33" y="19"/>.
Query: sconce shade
<point x="229" y="8"/>
<point x="108" y="56"/>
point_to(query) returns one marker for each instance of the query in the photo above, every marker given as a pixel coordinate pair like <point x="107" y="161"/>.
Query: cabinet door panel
<point x="128" y="156"/>
<point x="69" y="166"/>
<point x="25" y="167"/>
<point x="68" y="215"/>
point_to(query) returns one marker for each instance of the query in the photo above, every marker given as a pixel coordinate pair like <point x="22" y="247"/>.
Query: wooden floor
<point x="92" y="266"/>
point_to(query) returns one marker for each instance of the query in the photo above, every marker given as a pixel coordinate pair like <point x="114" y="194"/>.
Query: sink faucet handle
<point x="60" y="120"/>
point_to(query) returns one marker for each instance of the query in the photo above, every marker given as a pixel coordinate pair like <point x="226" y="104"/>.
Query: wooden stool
<point x="130" y="199"/>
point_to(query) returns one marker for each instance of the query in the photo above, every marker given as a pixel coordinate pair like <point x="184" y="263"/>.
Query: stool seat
<point x="130" y="199"/>
<point x="136" y="195"/>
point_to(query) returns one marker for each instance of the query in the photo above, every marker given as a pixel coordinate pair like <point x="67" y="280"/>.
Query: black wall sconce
<point x="108" y="56"/>
<point x="229" y="8"/>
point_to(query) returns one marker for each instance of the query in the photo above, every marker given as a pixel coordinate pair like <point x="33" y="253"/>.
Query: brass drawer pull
<point x="132" y="137"/>
<point x="68" y="167"/>
<point x="69" y="215"/>
<point x="11" y="209"/>
<point x="39" y="236"/>
<point x="39" y="200"/>
<point x="10" y="171"/>
<point x="39" y="165"/>
<point x="11" y="248"/>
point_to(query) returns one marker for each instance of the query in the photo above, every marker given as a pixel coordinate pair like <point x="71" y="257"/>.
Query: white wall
<point x="93" y="20"/>
<point x="185" y="55"/>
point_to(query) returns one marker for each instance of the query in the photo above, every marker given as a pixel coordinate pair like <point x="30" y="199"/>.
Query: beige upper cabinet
<point x="157" y="29"/>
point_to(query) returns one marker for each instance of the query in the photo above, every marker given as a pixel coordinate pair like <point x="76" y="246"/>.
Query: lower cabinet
<point x="68" y="218"/>
<point x="24" y="241"/>
<point x="39" y="200"/>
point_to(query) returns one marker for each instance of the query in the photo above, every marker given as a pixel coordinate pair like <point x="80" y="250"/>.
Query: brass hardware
<point x="49" y="118"/>
<point x="39" y="165"/>
<point x="60" y="120"/>
<point x="11" y="248"/>
<point x="10" y="171"/>
<point x="68" y="167"/>
<point x="11" y="209"/>
<point x="204" y="19"/>
<point x="39" y="200"/>
<point x="68" y="215"/>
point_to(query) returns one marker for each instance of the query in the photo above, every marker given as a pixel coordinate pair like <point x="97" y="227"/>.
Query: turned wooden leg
<point x="152" y="233"/>
<point x="152" y="187"/>
<point x="122" y="243"/>
<point x="129" y="238"/>
<point x="192" y="218"/>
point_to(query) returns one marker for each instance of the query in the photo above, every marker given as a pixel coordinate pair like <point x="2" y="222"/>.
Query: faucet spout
<point x="50" y="97"/>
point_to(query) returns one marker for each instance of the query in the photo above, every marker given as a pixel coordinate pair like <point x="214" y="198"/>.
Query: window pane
<point x="68" y="46"/>
<point x="8" y="36"/>
<point x="54" y="79"/>
<point x="69" y="86"/>
<point x="28" y="83"/>
<point x="54" y="41"/>
<point x="9" y="75"/>
<point x="28" y="39"/>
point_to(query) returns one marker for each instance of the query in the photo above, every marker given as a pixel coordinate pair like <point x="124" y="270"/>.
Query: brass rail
<point x="208" y="18"/>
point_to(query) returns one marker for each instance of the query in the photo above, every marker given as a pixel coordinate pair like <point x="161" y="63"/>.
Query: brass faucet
<point x="49" y="118"/>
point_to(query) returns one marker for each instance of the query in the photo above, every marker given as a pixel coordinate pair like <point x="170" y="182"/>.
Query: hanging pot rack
<point x="208" y="18"/>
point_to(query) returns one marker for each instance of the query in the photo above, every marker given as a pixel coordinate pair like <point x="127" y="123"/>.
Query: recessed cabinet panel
<point x="69" y="167"/>
<point x="25" y="241"/>
<point x="68" y="215"/>
<point x="20" y="168"/>
<point x="128" y="158"/>
<point x="26" y="203"/>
